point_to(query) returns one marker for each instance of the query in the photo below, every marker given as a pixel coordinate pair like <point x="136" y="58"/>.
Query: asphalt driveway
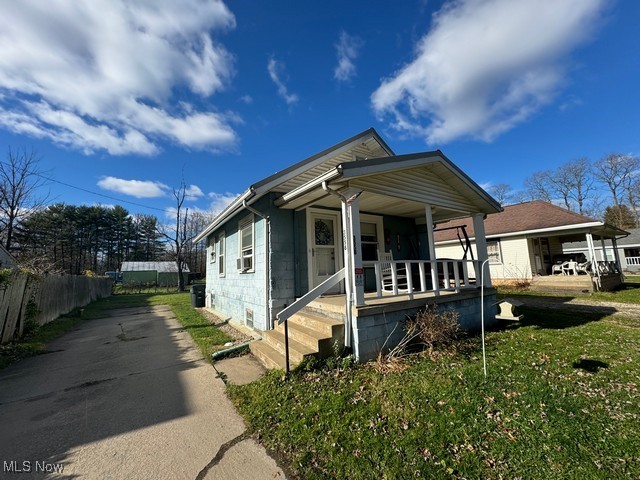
<point x="128" y="396"/>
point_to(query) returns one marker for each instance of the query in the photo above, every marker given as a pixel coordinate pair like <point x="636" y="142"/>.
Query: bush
<point x="429" y="329"/>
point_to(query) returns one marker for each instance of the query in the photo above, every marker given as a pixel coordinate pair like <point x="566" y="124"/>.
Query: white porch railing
<point x="410" y="277"/>
<point x="633" y="260"/>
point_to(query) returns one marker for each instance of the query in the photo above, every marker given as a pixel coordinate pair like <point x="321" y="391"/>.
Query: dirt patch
<point x="238" y="336"/>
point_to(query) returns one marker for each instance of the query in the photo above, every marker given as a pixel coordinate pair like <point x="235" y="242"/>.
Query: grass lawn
<point x="207" y="337"/>
<point x="561" y="400"/>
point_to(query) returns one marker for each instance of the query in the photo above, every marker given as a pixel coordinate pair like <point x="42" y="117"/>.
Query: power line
<point x="99" y="194"/>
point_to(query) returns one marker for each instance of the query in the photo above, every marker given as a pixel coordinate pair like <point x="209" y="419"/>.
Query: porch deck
<point x="575" y="284"/>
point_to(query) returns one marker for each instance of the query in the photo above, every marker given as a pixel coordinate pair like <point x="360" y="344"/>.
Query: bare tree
<point x="20" y="179"/>
<point x="538" y="186"/>
<point x="574" y="182"/>
<point x="501" y="192"/>
<point x="616" y="172"/>
<point x="178" y="234"/>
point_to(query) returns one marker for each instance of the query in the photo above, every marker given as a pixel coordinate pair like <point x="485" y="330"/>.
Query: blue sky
<point x="120" y="98"/>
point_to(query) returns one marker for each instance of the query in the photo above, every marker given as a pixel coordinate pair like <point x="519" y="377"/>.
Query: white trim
<point x="379" y="223"/>
<point x="248" y="220"/>
<point x="222" y="253"/>
<point x="310" y="236"/>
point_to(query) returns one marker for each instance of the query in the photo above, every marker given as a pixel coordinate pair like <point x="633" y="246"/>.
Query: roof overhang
<point x="291" y="175"/>
<point x="600" y="229"/>
<point x="398" y="185"/>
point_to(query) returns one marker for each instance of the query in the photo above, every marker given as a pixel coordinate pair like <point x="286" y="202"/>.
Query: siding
<point x="514" y="252"/>
<point x="236" y="292"/>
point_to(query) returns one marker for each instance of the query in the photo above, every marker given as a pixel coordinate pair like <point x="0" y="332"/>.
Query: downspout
<point x="267" y="243"/>
<point x="348" y="266"/>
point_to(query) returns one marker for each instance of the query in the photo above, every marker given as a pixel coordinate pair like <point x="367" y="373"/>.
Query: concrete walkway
<point x="128" y="396"/>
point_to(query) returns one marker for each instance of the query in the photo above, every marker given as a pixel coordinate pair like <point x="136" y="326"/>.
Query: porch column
<point x="348" y="272"/>
<point x="604" y="250"/>
<point x="616" y="254"/>
<point x="352" y="206"/>
<point x="481" y="248"/>
<point x="592" y="256"/>
<point x="432" y="251"/>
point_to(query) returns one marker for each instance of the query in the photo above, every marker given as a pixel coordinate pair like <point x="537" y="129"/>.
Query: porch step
<point x="309" y="335"/>
<point x="267" y="355"/>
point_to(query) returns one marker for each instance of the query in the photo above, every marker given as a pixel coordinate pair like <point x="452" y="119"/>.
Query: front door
<point x="325" y="243"/>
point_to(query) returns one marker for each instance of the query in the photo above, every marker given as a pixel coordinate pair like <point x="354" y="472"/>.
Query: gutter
<point x="267" y="244"/>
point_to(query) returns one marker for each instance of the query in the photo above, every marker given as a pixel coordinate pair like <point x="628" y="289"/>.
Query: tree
<point x="501" y="192"/>
<point x="620" y="216"/>
<point x="574" y="182"/>
<point x="20" y="180"/>
<point x="177" y="234"/>
<point x="538" y="186"/>
<point x="616" y="171"/>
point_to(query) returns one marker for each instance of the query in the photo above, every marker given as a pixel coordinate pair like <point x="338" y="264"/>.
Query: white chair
<point x="570" y="268"/>
<point x="557" y="269"/>
<point x="386" y="273"/>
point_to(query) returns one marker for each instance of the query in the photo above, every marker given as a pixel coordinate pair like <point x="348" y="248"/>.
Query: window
<point x="370" y="237"/>
<point x="245" y="236"/>
<point x="212" y="249"/>
<point x="493" y="252"/>
<point x="221" y="242"/>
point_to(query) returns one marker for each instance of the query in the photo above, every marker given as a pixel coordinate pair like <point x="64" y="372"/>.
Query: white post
<point x="616" y="254"/>
<point x="604" y="250"/>
<point x="348" y="273"/>
<point x="592" y="257"/>
<point x="353" y="207"/>
<point x="432" y="250"/>
<point x="481" y="244"/>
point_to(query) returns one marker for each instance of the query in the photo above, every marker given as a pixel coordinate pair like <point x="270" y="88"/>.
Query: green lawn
<point x="207" y="337"/>
<point x="560" y="401"/>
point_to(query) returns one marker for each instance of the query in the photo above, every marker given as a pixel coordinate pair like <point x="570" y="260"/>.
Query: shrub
<point x="429" y="329"/>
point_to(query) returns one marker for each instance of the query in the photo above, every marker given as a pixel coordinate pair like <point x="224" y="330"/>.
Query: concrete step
<point x="297" y="350"/>
<point x="330" y="327"/>
<point x="267" y="355"/>
<point x="326" y="308"/>
<point x="319" y="342"/>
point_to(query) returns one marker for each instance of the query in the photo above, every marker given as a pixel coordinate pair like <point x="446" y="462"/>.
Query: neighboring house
<point x="318" y="227"/>
<point x="154" y="273"/>
<point x="628" y="251"/>
<point x="525" y="241"/>
<point x="6" y="259"/>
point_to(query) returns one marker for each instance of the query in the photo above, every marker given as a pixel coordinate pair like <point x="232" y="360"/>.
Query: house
<point x="153" y="273"/>
<point x="304" y="249"/>
<point x="628" y="251"/>
<point x="525" y="243"/>
<point x="6" y="259"/>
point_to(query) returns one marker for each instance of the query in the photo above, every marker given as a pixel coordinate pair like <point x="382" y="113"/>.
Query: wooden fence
<point x="41" y="299"/>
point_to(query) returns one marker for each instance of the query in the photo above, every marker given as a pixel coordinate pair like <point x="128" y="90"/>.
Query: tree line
<point x="63" y="238"/>
<point x="577" y="185"/>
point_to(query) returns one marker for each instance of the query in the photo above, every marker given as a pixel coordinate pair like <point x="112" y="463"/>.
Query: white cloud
<point x="194" y="191"/>
<point x="101" y="74"/>
<point x="220" y="201"/>
<point x="485" y="66"/>
<point x="135" y="188"/>
<point x="276" y="72"/>
<point x="347" y="51"/>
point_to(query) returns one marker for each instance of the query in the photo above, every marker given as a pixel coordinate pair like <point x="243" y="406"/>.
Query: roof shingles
<point x="522" y="217"/>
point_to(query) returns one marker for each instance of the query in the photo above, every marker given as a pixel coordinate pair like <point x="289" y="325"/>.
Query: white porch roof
<point x="398" y="185"/>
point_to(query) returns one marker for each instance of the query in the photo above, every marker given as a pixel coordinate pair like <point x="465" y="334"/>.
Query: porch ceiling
<point x="399" y="187"/>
